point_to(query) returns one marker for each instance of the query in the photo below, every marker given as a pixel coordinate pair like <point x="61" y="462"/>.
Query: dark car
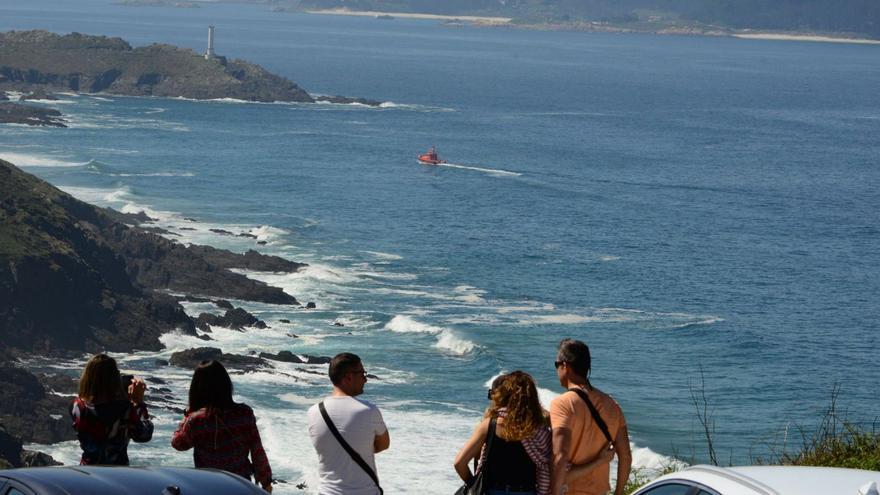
<point x="120" y="480"/>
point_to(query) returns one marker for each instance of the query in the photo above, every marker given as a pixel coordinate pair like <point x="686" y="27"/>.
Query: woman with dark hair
<point x="221" y="431"/>
<point x="108" y="412"/>
<point x="519" y="460"/>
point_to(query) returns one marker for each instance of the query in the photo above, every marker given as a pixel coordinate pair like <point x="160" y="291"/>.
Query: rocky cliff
<point x="73" y="278"/>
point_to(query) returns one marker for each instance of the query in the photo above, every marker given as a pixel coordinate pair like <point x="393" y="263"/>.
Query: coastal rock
<point x="37" y="94"/>
<point x="345" y="100"/>
<point x="15" y="113"/>
<point x="289" y="357"/>
<point x="10" y="450"/>
<point x="250" y="260"/>
<point x="29" y="413"/>
<point x="235" y="319"/>
<point x="191" y="358"/>
<point x="311" y="305"/>
<point x="32" y="458"/>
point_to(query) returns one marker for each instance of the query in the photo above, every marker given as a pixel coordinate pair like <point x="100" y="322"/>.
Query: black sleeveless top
<point x="508" y="464"/>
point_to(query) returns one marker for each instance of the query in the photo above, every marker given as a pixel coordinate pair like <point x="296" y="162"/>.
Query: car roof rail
<point x="740" y="478"/>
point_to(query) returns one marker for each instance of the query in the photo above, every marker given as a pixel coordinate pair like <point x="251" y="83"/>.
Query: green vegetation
<point x="835" y="442"/>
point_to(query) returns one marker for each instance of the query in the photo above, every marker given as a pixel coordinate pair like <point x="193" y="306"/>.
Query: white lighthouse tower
<point x="209" y="53"/>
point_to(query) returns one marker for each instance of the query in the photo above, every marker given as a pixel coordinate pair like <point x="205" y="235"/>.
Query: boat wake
<point x="490" y="171"/>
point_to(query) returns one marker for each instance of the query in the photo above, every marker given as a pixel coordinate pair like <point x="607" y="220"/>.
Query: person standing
<point x="108" y="412"/>
<point x="586" y="423"/>
<point x="360" y="428"/>
<point x="221" y="432"/>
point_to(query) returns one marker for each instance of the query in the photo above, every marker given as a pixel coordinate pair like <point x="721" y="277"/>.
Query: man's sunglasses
<point x="558" y="364"/>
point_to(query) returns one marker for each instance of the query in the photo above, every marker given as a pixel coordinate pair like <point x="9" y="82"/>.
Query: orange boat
<point x="430" y="158"/>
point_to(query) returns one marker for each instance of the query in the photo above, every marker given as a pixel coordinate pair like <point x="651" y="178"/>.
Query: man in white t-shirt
<point x="360" y="424"/>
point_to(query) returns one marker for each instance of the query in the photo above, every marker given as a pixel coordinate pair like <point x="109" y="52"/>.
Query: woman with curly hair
<point x="519" y="460"/>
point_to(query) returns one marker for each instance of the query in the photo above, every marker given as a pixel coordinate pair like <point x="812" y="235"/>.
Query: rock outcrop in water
<point x="40" y="60"/>
<point x="15" y="113"/>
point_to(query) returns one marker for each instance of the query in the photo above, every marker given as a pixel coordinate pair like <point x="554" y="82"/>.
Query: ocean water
<point x="688" y="206"/>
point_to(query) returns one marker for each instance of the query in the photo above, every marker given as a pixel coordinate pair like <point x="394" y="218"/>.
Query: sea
<point x="702" y="211"/>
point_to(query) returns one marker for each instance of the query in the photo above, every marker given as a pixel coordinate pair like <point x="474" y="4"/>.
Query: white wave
<point x="418" y="108"/>
<point x="563" y="319"/>
<point x="38" y="160"/>
<point x="298" y="399"/>
<point x="155" y="110"/>
<point x="708" y="321"/>
<point x="385" y="256"/>
<point x="447" y="340"/>
<point x="53" y="102"/>
<point x="451" y="342"/>
<point x="100" y="98"/>
<point x="267" y="232"/>
<point x="97" y="196"/>
<point x="155" y="174"/>
<point x="490" y="171"/>
<point x="608" y="258"/>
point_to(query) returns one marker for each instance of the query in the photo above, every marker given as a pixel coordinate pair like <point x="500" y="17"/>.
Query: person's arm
<point x="580" y="470"/>
<point x="381" y="442"/>
<point x="182" y="439"/>
<point x="140" y="426"/>
<point x="624" y="459"/>
<point x="262" y="470"/>
<point x="471" y="450"/>
<point x="561" y="454"/>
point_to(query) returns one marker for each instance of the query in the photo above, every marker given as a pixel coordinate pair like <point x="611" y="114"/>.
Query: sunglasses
<point x="489" y="394"/>
<point x="558" y="364"/>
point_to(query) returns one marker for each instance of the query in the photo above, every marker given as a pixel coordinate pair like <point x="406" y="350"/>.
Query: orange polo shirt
<point x="569" y="411"/>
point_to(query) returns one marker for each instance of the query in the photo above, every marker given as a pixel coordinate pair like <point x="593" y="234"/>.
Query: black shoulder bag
<point x="595" y="413"/>
<point x="354" y="455"/>
<point x="477" y="483"/>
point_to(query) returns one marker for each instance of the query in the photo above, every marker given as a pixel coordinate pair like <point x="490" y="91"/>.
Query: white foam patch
<point x="491" y="171"/>
<point x="608" y="258"/>
<point x="563" y="319"/>
<point x="39" y="160"/>
<point x="385" y="256"/>
<point x="447" y="340"/>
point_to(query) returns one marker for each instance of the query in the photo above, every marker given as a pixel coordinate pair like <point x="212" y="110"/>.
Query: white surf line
<point x="478" y="169"/>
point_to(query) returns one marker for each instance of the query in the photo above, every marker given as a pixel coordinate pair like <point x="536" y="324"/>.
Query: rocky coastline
<point x="40" y="60"/>
<point x="77" y="279"/>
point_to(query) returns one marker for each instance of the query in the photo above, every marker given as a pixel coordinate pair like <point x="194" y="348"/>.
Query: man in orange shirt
<point x="581" y="437"/>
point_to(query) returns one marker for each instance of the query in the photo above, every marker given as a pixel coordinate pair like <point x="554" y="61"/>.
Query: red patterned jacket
<point x="222" y="439"/>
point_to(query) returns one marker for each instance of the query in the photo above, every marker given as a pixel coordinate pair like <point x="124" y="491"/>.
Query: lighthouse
<point x="209" y="53"/>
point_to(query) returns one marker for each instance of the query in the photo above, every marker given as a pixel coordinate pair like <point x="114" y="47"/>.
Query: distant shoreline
<point x="407" y="15"/>
<point x="804" y="37"/>
<point x="685" y="31"/>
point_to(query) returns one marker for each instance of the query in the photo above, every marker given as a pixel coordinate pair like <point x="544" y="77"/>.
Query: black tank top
<point x="509" y="465"/>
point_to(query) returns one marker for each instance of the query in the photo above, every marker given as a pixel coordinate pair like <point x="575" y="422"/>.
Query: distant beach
<point x="804" y="37"/>
<point x="371" y="13"/>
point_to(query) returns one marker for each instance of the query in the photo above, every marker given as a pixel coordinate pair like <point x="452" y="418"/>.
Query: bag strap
<point x="354" y="455"/>
<point x="595" y="413"/>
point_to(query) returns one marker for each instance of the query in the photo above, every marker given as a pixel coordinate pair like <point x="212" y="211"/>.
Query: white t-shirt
<point x="359" y="422"/>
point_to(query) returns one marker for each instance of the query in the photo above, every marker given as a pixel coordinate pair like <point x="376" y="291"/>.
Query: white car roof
<point x="777" y="480"/>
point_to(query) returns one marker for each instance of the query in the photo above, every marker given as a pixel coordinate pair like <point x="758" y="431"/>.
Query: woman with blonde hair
<point x="108" y="412"/>
<point x="518" y="461"/>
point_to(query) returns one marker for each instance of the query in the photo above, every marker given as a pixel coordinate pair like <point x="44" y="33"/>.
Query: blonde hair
<point x="100" y="381"/>
<point x="518" y="394"/>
